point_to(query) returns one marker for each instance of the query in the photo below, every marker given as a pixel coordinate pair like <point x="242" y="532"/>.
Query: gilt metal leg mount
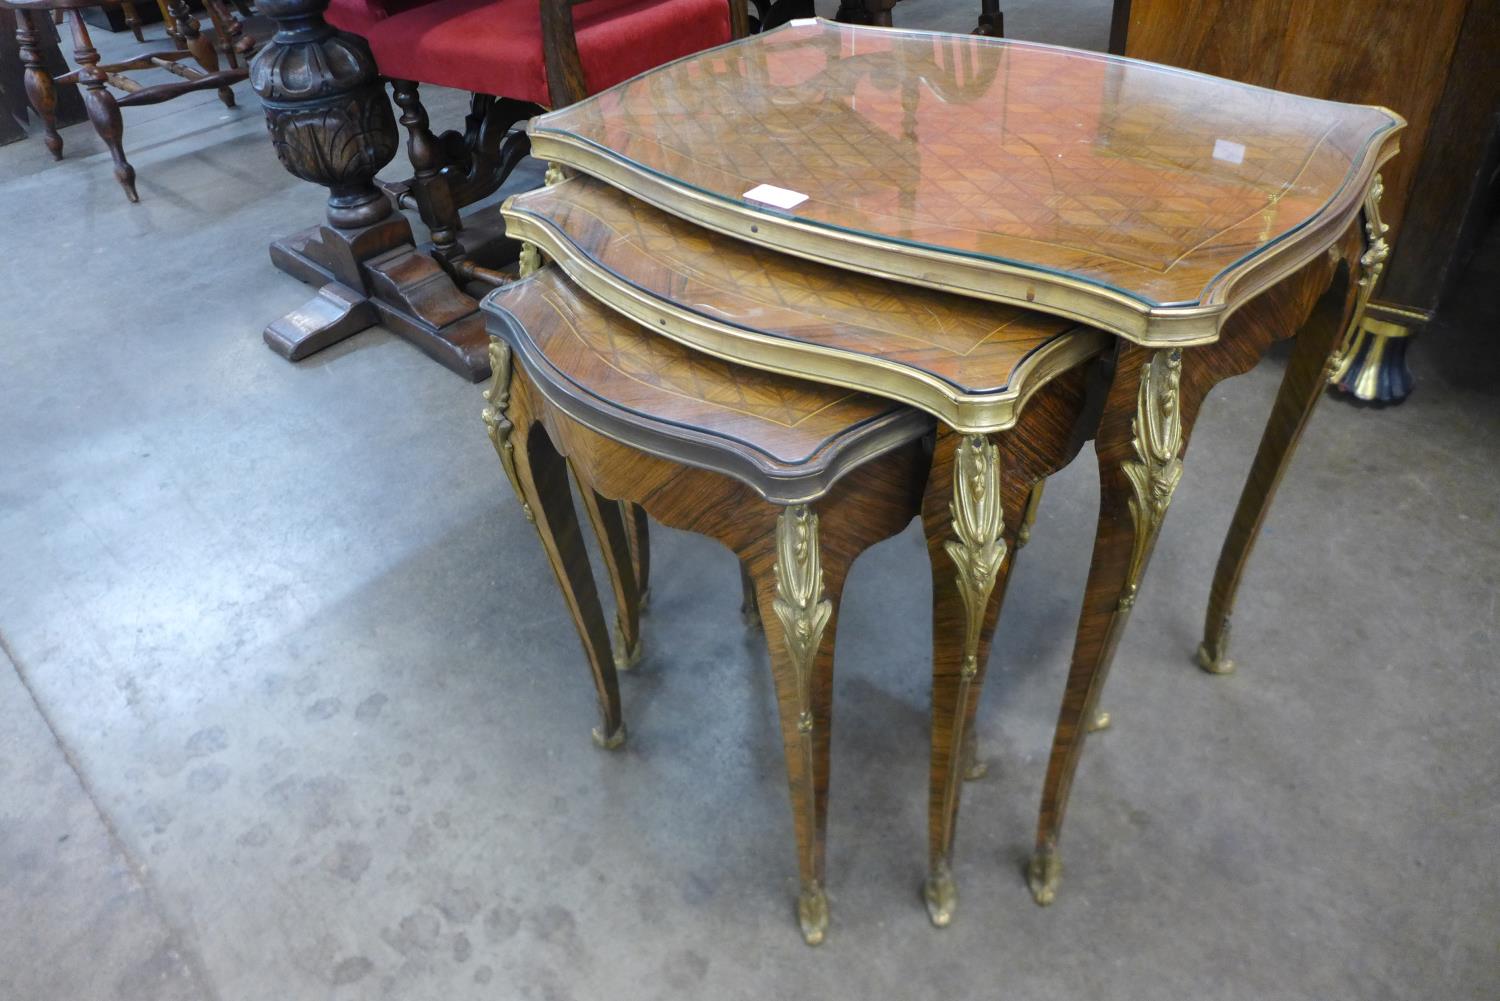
<point x="977" y="550"/>
<point x="803" y="612"/>
<point x="497" y="420"/>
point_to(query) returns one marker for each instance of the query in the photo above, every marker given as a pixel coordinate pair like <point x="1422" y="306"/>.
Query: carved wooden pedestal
<point x="331" y="123"/>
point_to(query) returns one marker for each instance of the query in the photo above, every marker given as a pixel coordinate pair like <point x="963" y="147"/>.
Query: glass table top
<point x="1107" y="189"/>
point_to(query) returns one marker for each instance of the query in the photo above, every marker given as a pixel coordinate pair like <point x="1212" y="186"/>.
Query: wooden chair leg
<point x="102" y="109"/>
<point x="542" y="475"/>
<point x="1140" y="443"/>
<point x="228" y="33"/>
<point x="434" y="196"/>
<point x="169" y="22"/>
<point x="797" y="593"/>
<point x="1314" y="353"/>
<point x="199" y="44"/>
<point x="609" y="528"/>
<point x="132" y="20"/>
<point x="40" y="89"/>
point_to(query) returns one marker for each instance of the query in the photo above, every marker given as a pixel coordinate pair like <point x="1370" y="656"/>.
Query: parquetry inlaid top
<point x="788" y="438"/>
<point x="965" y="360"/>
<point x="1139" y="197"/>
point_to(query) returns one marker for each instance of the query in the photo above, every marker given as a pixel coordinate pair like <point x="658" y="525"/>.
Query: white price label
<point x="1229" y="152"/>
<point x="770" y="194"/>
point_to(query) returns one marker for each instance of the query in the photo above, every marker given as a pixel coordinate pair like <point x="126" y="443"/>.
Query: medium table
<point x="1194" y="220"/>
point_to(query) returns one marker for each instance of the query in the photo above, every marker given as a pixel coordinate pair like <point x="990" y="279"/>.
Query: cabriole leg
<point x="609" y="528"/>
<point x="540" y="476"/>
<point x="638" y="531"/>
<point x="967" y="549"/>
<point x="1139" y="444"/>
<point x="749" y="604"/>
<point x="797" y="614"/>
<point x="544" y="481"/>
<point x="1314" y="353"/>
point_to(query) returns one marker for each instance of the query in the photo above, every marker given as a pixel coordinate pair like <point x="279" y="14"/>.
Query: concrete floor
<point x="291" y="709"/>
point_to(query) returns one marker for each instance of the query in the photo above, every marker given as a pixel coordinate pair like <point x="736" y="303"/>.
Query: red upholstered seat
<point x="359" y="16"/>
<point x="495" y="46"/>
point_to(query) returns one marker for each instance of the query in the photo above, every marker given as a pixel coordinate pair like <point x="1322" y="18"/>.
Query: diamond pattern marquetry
<point x="1128" y="176"/>
<point x="972" y="345"/>
<point x="617" y="364"/>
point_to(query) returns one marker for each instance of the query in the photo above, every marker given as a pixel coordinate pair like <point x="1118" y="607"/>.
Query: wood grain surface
<point x="1391" y="54"/>
<point x="875" y="500"/>
<point x="783" y="427"/>
<point x="973" y="346"/>
<point x="1125" y="182"/>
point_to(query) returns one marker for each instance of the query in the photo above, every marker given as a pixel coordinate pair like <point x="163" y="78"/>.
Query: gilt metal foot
<point x="1043" y="875"/>
<point x="626" y="656"/>
<point x="972" y="766"/>
<point x="1214" y="660"/>
<point x="941" y="894"/>
<point x="611" y="742"/>
<point x="812" y="914"/>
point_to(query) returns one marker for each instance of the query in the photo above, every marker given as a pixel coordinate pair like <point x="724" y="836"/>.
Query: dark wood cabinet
<point x="1433" y="61"/>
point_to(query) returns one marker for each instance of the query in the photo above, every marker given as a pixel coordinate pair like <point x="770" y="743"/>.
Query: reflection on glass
<point x="1140" y="177"/>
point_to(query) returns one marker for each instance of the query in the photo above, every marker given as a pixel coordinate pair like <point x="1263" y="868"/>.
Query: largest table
<point x="1193" y="219"/>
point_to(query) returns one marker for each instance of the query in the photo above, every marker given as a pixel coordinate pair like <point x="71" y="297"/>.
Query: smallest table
<point x="796" y="478"/>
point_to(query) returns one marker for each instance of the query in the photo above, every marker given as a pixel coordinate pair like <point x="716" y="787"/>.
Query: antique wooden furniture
<point x="13" y="116"/>
<point x="128" y="16"/>
<point x="962" y="359"/>
<point x="67" y="103"/>
<point x="96" y="79"/>
<point x="1434" y="63"/>
<point x="796" y="478"/>
<point x="1195" y="219"/>
<point x="517" y="57"/>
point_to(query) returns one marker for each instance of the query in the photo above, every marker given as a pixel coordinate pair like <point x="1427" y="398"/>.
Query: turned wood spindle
<point x="40" y="90"/>
<point x="102" y="109"/>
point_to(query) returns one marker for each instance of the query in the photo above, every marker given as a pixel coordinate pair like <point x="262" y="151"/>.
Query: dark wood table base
<point x="331" y="123"/>
<point x="376" y="275"/>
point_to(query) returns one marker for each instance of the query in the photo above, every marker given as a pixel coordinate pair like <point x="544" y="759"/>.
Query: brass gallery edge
<point x="965" y="412"/>
<point x="1061" y="295"/>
